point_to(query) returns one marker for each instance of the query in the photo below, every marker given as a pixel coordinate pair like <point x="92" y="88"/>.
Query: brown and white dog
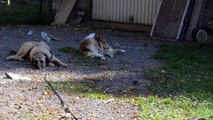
<point x="39" y="55"/>
<point x="95" y="45"/>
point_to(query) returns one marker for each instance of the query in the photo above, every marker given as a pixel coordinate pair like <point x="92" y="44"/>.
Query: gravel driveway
<point x="28" y="99"/>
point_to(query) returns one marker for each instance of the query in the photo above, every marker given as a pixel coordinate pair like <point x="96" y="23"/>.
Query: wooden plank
<point x="194" y="17"/>
<point x="169" y="19"/>
<point x="64" y="11"/>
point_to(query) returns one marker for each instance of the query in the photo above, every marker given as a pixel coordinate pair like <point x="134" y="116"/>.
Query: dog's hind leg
<point x="111" y="52"/>
<point x="57" y="62"/>
<point x="24" y="50"/>
<point x="116" y="51"/>
<point x="14" y="57"/>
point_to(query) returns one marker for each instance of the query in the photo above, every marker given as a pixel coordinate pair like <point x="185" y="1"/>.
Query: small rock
<point x="45" y="36"/>
<point x="29" y="32"/>
<point x="77" y="98"/>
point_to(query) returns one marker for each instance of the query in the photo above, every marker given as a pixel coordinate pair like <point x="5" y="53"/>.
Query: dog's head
<point x="102" y="41"/>
<point x="40" y="61"/>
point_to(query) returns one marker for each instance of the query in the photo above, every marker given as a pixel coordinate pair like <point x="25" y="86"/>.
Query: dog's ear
<point x="97" y="36"/>
<point x="47" y="60"/>
<point x="34" y="62"/>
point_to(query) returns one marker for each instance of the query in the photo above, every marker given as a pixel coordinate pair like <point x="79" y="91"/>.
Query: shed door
<point x="126" y="11"/>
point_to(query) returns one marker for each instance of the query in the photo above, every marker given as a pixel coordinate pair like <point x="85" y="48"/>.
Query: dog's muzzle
<point x="39" y="64"/>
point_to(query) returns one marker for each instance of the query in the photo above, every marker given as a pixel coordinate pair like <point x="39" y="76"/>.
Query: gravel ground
<point x="24" y="99"/>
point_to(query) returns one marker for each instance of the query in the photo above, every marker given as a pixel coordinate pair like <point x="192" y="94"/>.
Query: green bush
<point x="24" y="14"/>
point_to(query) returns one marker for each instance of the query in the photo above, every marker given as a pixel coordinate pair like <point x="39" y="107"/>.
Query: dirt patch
<point x="122" y="75"/>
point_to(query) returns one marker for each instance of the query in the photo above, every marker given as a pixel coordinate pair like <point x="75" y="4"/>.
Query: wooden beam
<point x="63" y="12"/>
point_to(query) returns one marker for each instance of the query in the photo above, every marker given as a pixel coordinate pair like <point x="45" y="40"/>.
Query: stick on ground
<point x="66" y="109"/>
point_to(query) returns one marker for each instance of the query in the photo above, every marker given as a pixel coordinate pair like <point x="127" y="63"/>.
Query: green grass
<point x="23" y="14"/>
<point x="78" y="59"/>
<point x="189" y="70"/>
<point x="172" y="108"/>
<point x="182" y="89"/>
<point x="86" y="88"/>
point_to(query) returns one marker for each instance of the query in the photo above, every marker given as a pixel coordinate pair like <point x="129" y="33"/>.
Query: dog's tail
<point x="118" y="51"/>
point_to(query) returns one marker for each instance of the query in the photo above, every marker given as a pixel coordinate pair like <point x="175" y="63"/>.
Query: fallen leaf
<point x="48" y="93"/>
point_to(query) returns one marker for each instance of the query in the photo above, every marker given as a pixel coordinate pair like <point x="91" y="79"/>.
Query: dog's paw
<point x="103" y="58"/>
<point x="111" y="56"/>
<point x="7" y="58"/>
<point x="100" y="56"/>
<point x="65" y="65"/>
<point x="20" y="59"/>
<point x="51" y="64"/>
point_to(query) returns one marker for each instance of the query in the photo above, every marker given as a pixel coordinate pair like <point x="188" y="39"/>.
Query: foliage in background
<point x="27" y="13"/>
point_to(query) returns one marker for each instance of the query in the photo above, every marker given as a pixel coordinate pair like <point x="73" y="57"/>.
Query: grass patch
<point x="189" y="70"/>
<point x="78" y="59"/>
<point x="86" y="88"/>
<point x="172" y="108"/>
<point x="23" y="14"/>
<point x="183" y="89"/>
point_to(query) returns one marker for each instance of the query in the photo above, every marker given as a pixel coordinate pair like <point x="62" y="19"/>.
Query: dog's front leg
<point x="110" y="55"/>
<point x="92" y="54"/>
<point x="56" y="61"/>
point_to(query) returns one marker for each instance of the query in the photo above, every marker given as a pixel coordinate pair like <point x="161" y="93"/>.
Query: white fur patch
<point x="123" y="51"/>
<point x="90" y="36"/>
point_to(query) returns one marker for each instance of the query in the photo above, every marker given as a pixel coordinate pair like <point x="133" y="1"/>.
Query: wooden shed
<point x="120" y="11"/>
<point x="170" y="19"/>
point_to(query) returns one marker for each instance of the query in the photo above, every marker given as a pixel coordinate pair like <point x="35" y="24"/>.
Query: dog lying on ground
<point x="95" y="45"/>
<point x="38" y="53"/>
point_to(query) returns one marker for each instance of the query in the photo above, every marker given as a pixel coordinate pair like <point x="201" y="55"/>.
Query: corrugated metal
<point x="128" y="11"/>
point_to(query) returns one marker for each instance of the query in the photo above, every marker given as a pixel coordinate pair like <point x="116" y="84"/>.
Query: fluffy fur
<point x="39" y="55"/>
<point x="95" y="45"/>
